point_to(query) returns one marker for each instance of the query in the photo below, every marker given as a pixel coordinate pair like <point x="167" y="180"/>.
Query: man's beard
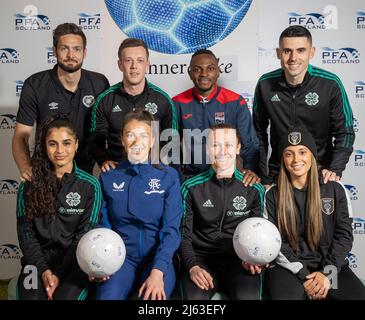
<point x="69" y="69"/>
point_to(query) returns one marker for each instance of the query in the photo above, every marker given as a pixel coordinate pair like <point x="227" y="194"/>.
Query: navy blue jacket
<point x="222" y="106"/>
<point x="143" y="204"/>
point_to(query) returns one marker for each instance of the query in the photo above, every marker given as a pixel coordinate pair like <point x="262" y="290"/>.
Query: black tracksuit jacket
<point x="336" y="239"/>
<point x="50" y="241"/>
<point x="212" y="210"/>
<point x="112" y="106"/>
<point x="319" y="104"/>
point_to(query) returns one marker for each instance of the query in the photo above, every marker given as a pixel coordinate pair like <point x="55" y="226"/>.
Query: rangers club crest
<point x="328" y="205"/>
<point x="294" y="138"/>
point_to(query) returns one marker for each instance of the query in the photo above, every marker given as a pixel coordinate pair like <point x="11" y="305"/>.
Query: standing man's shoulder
<point x="158" y="93"/>
<point x="184" y="97"/>
<point x="97" y="78"/>
<point x="324" y="74"/>
<point x="106" y="96"/>
<point x="226" y="96"/>
<point x="110" y="90"/>
<point x="271" y="76"/>
<point x="39" y="79"/>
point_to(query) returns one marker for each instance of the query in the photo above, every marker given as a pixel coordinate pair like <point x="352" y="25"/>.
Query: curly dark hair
<point x="41" y="191"/>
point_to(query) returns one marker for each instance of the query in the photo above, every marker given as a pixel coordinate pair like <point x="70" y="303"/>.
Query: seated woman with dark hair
<point x="215" y="202"/>
<point x="54" y="210"/>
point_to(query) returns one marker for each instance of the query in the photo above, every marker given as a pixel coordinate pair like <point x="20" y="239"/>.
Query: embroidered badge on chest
<point x="88" y="101"/>
<point x="154" y="185"/>
<point x="219" y="117"/>
<point x="312" y="98"/>
<point x="151" y="107"/>
<point x="73" y="199"/>
<point x="239" y="203"/>
<point x="328" y="205"/>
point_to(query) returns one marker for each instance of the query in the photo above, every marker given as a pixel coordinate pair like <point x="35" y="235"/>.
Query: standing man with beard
<point x="66" y="89"/>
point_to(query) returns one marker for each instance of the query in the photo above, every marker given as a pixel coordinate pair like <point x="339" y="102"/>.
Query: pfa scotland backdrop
<point x="243" y="34"/>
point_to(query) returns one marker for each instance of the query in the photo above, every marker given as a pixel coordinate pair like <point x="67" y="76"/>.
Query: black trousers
<point x="284" y="285"/>
<point x="74" y="286"/>
<point x="229" y="278"/>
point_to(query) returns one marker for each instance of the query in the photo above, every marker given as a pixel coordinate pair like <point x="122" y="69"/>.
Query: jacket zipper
<point x="224" y="205"/>
<point x="294" y="109"/>
<point x="140" y="240"/>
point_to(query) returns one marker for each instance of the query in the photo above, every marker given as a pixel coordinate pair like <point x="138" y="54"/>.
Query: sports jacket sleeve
<point x="261" y="123"/>
<point x="166" y="121"/>
<point x="89" y="219"/>
<point x="247" y="134"/>
<point x="170" y="126"/>
<point x="178" y="141"/>
<point x="28" y="105"/>
<point x="342" y="238"/>
<point x="99" y="132"/>
<point x="105" y="219"/>
<point x="169" y="233"/>
<point x="341" y="129"/>
<point x="28" y="241"/>
<point x="287" y="257"/>
<point x="186" y="250"/>
<point x="258" y="203"/>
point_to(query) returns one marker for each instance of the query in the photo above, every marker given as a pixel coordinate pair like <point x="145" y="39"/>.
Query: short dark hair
<point x="139" y="114"/>
<point x="226" y="126"/>
<point x="204" y="51"/>
<point x="67" y="28"/>
<point x="296" y="31"/>
<point x="132" y="43"/>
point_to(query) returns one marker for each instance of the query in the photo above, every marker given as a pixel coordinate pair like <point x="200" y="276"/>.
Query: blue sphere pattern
<point x="178" y="26"/>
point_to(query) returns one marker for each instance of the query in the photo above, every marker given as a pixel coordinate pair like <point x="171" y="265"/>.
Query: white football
<point x="257" y="241"/>
<point x="100" y="252"/>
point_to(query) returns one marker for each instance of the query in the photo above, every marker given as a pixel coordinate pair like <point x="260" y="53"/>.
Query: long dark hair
<point x="286" y="211"/>
<point x="41" y="192"/>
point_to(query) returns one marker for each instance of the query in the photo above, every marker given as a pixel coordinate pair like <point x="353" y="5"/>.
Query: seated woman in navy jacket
<point x="143" y="205"/>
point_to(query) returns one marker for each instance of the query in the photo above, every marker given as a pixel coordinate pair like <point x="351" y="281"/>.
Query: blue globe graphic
<point x="178" y="26"/>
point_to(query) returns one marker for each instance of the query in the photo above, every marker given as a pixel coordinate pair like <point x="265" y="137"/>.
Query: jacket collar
<point x="145" y="90"/>
<point x="285" y="84"/>
<point x="69" y="177"/>
<point x="138" y="168"/>
<point x="202" y="99"/>
<point x="54" y="77"/>
<point x="221" y="181"/>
